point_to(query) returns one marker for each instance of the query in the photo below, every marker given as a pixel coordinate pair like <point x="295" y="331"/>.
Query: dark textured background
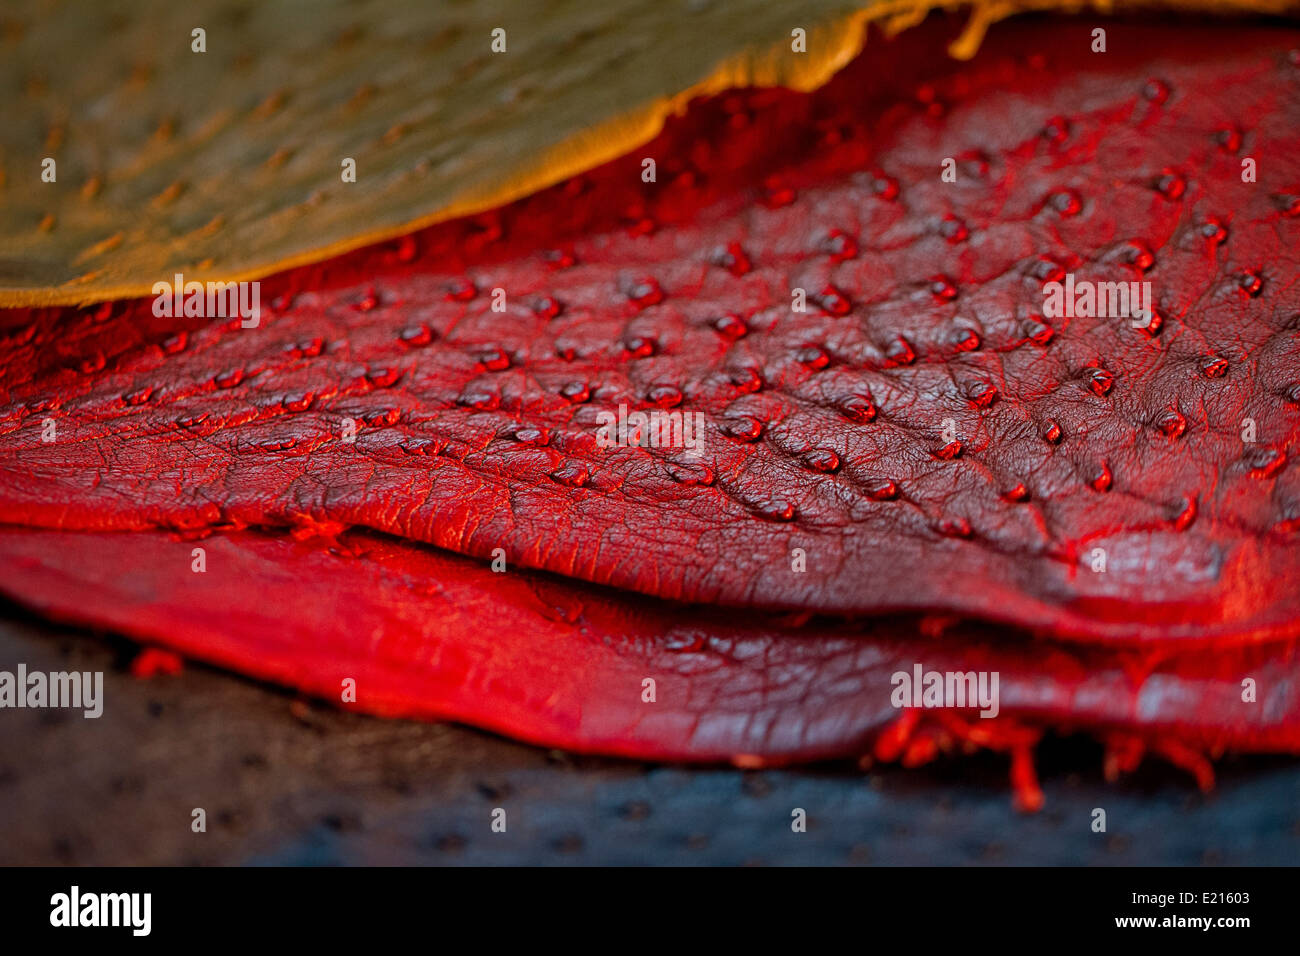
<point x="287" y="781"/>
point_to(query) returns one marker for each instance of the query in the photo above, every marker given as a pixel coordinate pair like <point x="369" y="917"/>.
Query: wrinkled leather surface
<point x="432" y="635"/>
<point x="469" y="441"/>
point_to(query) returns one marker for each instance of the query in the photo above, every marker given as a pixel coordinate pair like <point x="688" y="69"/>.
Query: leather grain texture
<point x="424" y="634"/>
<point x="922" y="433"/>
<point x="226" y="164"/>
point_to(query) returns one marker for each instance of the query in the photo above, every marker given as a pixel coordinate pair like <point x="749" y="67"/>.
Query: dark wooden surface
<point x="286" y="781"/>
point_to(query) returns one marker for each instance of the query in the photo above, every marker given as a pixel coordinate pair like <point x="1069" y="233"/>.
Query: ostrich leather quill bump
<point x="923" y="432"/>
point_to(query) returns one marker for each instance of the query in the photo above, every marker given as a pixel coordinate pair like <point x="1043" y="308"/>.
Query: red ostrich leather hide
<point x="924" y="437"/>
